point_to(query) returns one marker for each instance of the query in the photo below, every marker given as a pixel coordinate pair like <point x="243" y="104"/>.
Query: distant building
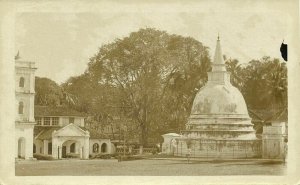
<point x="61" y="132"/>
<point x="275" y="135"/>
<point x="24" y="121"/>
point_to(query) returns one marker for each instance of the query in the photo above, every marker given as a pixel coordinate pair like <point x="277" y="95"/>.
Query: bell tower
<point x="24" y="116"/>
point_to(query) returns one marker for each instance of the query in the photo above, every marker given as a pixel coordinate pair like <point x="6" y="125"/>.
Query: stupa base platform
<point x="208" y="148"/>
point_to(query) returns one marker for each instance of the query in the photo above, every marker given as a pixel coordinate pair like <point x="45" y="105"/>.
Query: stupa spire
<point x="218" y="63"/>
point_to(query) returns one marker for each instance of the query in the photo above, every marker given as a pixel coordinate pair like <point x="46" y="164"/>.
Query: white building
<point x="24" y="122"/>
<point x="60" y="132"/>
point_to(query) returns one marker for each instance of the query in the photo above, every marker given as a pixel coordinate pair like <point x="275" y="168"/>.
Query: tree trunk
<point x="144" y="129"/>
<point x="144" y="136"/>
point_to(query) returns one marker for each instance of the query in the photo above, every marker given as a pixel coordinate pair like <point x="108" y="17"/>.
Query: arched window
<point x="95" y="148"/>
<point x="21" y="107"/>
<point x="21" y="82"/>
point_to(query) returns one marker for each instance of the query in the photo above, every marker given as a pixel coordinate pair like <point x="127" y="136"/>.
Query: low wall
<point x="214" y="148"/>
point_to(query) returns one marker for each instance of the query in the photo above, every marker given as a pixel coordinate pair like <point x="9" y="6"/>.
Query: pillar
<point x="68" y="145"/>
<point x="141" y="150"/>
<point x="80" y="152"/>
<point x="76" y="148"/>
<point x="46" y="147"/>
<point x="86" y="148"/>
<point x="29" y="143"/>
<point x="55" y="145"/>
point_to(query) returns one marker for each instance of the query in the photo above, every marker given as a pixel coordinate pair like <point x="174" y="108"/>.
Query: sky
<point x="61" y="43"/>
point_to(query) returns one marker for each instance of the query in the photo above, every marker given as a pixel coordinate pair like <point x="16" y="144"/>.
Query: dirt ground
<point x="147" y="167"/>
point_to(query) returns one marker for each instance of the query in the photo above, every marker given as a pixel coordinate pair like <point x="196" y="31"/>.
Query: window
<point x="21" y="107"/>
<point x="55" y="121"/>
<point x="21" y="82"/>
<point x="38" y="121"/>
<point x="95" y="148"/>
<point x="46" y="121"/>
<point x="71" y="120"/>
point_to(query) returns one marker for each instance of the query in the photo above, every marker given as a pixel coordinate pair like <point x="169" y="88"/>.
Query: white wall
<point x="25" y="132"/>
<point x="79" y="121"/>
<point x="110" y="147"/>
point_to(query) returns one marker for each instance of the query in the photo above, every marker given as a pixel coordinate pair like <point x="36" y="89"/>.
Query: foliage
<point x="47" y="92"/>
<point x="263" y="82"/>
<point x="102" y="156"/>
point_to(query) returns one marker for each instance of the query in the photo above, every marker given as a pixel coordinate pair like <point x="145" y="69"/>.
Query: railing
<point x="121" y="151"/>
<point x="224" y="149"/>
<point x="149" y="150"/>
<point x="135" y="151"/>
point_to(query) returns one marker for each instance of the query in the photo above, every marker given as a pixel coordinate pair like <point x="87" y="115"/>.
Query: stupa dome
<point x="219" y="99"/>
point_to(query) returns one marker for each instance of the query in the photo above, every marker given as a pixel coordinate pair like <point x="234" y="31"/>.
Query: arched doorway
<point x="104" y="148"/>
<point x="34" y="148"/>
<point x="70" y="149"/>
<point x="21" y="148"/>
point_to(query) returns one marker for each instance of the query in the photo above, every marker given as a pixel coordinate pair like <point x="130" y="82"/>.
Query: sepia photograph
<point x="185" y="89"/>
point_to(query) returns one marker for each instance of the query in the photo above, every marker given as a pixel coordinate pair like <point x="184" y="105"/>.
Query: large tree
<point x="148" y="75"/>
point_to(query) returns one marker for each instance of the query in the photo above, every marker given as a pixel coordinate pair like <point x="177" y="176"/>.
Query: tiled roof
<point x="273" y="115"/>
<point x="45" y="132"/>
<point x="94" y="134"/>
<point x="41" y="111"/>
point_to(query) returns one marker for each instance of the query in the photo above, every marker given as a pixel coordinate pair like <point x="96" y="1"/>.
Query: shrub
<point x="43" y="157"/>
<point x="72" y="155"/>
<point x="101" y="156"/>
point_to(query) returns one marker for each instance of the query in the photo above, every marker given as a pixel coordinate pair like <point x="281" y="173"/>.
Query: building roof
<point x="42" y="111"/>
<point x="45" y="132"/>
<point x="94" y="134"/>
<point x="269" y="115"/>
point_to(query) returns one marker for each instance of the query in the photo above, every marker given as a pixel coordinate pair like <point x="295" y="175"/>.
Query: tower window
<point x="21" y="82"/>
<point x="21" y="107"/>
